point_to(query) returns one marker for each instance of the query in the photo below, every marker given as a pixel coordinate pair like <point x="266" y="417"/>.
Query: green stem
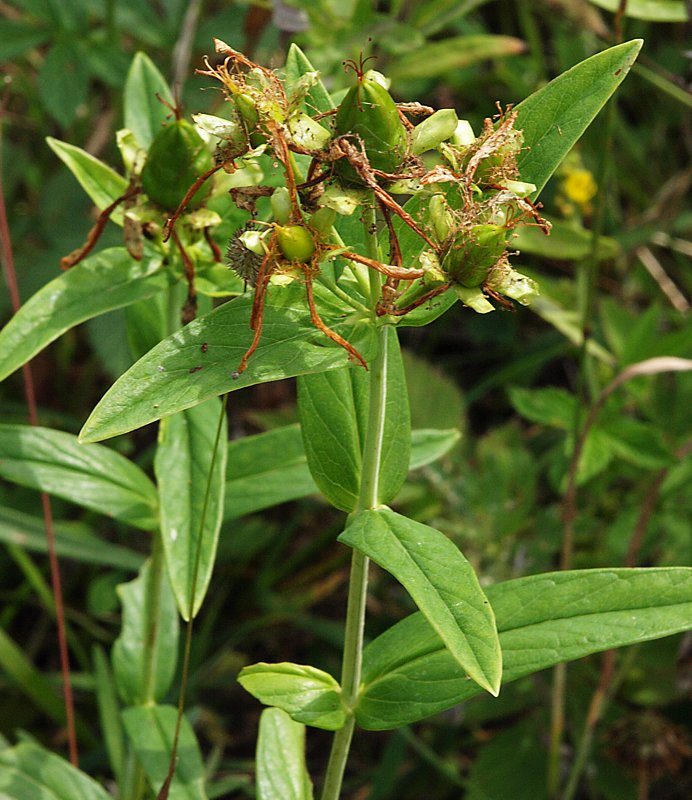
<point x="357" y="589"/>
<point x="153" y="601"/>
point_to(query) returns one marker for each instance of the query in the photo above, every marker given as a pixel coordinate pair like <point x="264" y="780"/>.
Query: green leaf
<point x="429" y="445"/>
<point x="553" y="118"/>
<point x="510" y="752"/>
<point x="92" y="476"/>
<point x="281" y="770"/>
<point x="72" y="540"/>
<point x="265" y="470"/>
<point x="652" y="10"/>
<point x="637" y="442"/>
<point x="198" y="362"/>
<point x="151" y="729"/>
<point x="30" y="772"/>
<point x="102" y="183"/>
<point x="595" y="456"/>
<point x="567" y="242"/>
<point x="543" y="620"/>
<point x="435" y="399"/>
<point x="145" y="114"/>
<point x="562" y="314"/>
<point x="112" y="732"/>
<point x="101" y="283"/>
<point x="18" y="671"/>
<point x="297" y="64"/>
<point x="457" y="52"/>
<point x="307" y="694"/>
<point x="146" y="652"/>
<point x="17" y="37"/>
<point x="271" y="468"/>
<point x="441" y="582"/>
<point x="190" y="469"/>
<point x="333" y="409"/>
<point x="63" y="81"/>
<point x="551" y="406"/>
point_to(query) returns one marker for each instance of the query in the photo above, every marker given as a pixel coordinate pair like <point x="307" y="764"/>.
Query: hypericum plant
<point x="309" y="199"/>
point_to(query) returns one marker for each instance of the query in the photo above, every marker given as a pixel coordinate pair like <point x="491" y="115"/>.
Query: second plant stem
<point x="358" y="581"/>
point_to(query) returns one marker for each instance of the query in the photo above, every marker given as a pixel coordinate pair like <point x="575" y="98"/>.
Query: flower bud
<point x="280" y="202"/>
<point x="463" y="134"/>
<point x="434" y="130"/>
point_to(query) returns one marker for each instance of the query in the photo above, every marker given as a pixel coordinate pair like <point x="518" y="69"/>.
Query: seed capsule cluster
<point x="369" y="149"/>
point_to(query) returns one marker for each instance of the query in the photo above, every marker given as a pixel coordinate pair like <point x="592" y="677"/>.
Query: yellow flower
<point x="579" y="186"/>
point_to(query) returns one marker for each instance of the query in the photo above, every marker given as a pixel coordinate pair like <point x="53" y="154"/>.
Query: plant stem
<point x="358" y="581"/>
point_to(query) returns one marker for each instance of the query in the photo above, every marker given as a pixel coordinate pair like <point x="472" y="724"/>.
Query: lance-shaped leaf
<point x="198" y="362"/>
<point x="654" y="10"/>
<point x="92" y="476"/>
<point x="190" y="470"/>
<point x="101" y="283"/>
<point x="442" y="583"/>
<point x="151" y="730"/>
<point x="101" y="182"/>
<point x="73" y="540"/>
<point x="271" y="468"/>
<point x="298" y="65"/>
<point x="309" y="695"/>
<point x="543" y="620"/>
<point x="333" y="408"/>
<point x="112" y="733"/>
<point x="147" y="100"/>
<point x="265" y="470"/>
<point x="30" y="772"/>
<point x="281" y="770"/>
<point x="146" y="652"/>
<point x="441" y="58"/>
<point x="553" y="118"/>
<point x="18" y="670"/>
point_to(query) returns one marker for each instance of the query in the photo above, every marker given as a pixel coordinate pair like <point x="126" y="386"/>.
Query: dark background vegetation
<point x="279" y="588"/>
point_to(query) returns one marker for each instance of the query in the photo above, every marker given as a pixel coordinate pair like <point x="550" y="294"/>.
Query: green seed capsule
<point x="473" y="254"/>
<point x="176" y="158"/>
<point x="296" y="243"/>
<point x="369" y="112"/>
<point x="440" y="217"/>
<point x="280" y="202"/>
<point x="248" y="113"/>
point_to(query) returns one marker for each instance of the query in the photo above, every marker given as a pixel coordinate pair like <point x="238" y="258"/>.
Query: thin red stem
<point x="320" y="325"/>
<point x="30" y="394"/>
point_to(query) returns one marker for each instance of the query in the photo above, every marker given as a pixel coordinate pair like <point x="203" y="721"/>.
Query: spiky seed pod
<point x="243" y="261"/>
<point x="176" y="158"/>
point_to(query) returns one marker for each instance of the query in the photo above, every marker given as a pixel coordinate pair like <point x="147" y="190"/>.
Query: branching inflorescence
<point x="472" y="194"/>
<point x="367" y="151"/>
